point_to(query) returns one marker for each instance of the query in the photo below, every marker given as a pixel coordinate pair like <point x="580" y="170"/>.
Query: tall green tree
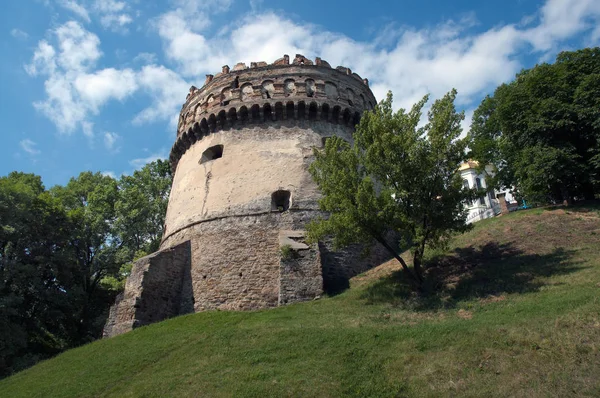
<point x="89" y="200"/>
<point x="396" y="177"/>
<point x="58" y="247"/>
<point x="141" y="207"/>
<point x="542" y="131"/>
<point x="37" y="292"/>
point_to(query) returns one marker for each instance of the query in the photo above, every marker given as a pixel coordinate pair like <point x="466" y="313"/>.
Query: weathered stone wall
<point x="341" y="265"/>
<point x="153" y="291"/>
<point x="235" y="260"/>
<point x="234" y="266"/>
<point x="257" y="160"/>
<point x="300" y="276"/>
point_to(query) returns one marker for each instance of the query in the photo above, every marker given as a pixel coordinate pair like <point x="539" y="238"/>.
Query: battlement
<point x="299" y="60"/>
<point x="278" y="92"/>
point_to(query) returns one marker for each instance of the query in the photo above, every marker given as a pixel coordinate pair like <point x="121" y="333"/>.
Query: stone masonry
<point x="242" y="195"/>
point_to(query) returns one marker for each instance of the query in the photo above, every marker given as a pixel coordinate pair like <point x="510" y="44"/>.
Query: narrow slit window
<point x="280" y="201"/>
<point x="212" y="153"/>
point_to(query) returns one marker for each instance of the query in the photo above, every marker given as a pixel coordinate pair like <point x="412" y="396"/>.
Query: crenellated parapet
<point x="282" y="92"/>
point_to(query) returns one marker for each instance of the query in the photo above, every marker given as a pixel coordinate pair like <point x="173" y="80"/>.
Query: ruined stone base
<point x="243" y="266"/>
<point x="153" y="292"/>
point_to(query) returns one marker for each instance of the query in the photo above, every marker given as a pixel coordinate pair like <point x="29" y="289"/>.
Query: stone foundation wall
<point x="153" y="291"/>
<point x="341" y="265"/>
<point x="300" y="277"/>
<point x="235" y="267"/>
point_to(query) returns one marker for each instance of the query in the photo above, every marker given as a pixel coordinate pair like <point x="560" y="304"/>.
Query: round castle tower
<point x="242" y="191"/>
<point x="245" y="139"/>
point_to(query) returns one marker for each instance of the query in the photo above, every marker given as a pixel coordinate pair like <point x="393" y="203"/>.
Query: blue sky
<point x="97" y="84"/>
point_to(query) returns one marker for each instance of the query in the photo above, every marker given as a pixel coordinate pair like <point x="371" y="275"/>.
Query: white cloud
<point x="98" y="87"/>
<point x="410" y="62"/>
<point x="77" y="52"/>
<point x="60" y="105"/>
<point x="413" y="62"/>
<point x="88" y="129"/>
<point x="75" y="8"/>
<point x="75" y="90"/>
<point x="79" y="48"/>
<point x="180" y="30"/>
<point x="19" y="34"/>
<point x="43" y="61"/>
<point x="141" y="162"/>
<point x="115" y="21"/>
<point x="561" y="19"/>
<point x="167" y="90"/>
<point x="29" y="146"/>
<point x="113" y="14"/>
<point x="110" y="141"/>
<point x="109" y="6"/>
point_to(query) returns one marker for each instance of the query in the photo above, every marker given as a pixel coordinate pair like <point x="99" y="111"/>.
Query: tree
<point x="396" y="177"/>
<point x="36" y="284"/>
<point x="89" y="200"/>
<point x="142" y="205"/>
<point x="64" y="254"/>
<point x="542" y="131"/>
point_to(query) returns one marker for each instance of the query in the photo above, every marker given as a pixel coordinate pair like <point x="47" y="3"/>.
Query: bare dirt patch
<point x="464" y="314"/>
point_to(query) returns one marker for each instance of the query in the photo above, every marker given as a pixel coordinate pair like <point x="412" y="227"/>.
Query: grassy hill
<point x="513" y="309"/>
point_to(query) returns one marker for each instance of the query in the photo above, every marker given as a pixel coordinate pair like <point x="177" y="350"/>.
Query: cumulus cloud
<point x="29" y="146"/>
<point x="76" y="9"/>
<point x="76" y="90"/>
<point x="98" y="87"/>
<point x="145" y="58"/>
<point x="409" y="61"/>
<point x="75" y="52"/>
<point x="79" y="48"/>
<point x="113" y="14"/>
<point x="166" y="89"/>
<point x="560" y="19"/>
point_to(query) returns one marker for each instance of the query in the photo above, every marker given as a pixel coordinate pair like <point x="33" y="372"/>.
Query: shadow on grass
<point x="469" y="273"/>
<point x="581" y="206"/>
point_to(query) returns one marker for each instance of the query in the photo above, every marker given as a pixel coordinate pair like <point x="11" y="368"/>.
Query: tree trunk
<point x="417" y="260"/>
<point x="567" y="201"/>
<point x="405" y="268"/>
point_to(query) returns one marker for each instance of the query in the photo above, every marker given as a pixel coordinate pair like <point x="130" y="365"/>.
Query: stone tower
<point x="242" y="191"/>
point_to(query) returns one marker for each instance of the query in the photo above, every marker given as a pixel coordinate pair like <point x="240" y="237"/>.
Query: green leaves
<point x="142" y="205"/>
<point x="395" y="177"/>
<point x="65" y="254"/>
<point x="547" y="116"/>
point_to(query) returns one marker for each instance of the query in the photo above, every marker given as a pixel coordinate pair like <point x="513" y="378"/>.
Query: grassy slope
<point x="516" y="312"/>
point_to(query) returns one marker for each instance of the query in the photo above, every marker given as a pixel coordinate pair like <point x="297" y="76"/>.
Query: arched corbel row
<point x="260" y="113"/>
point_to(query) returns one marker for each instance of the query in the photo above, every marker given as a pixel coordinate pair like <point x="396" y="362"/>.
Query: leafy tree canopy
<point x="542" y="131"/>
<point x="65" y="252"/>
<point x="396" y="179"/>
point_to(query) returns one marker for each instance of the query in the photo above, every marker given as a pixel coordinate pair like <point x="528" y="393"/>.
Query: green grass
<point x="513" y="309"/>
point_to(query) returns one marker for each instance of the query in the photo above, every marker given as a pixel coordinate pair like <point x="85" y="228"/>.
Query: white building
<point x="487" y="205"/>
